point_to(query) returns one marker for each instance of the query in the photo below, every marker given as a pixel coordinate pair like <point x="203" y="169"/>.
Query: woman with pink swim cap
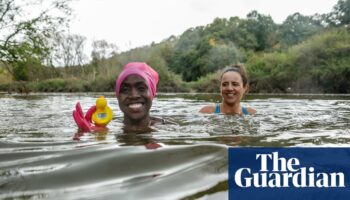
<point x="136" y="87"/>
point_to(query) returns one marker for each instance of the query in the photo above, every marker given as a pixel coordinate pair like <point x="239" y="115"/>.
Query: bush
<point x="208" y="84"/>
<point x="320" y="64"/>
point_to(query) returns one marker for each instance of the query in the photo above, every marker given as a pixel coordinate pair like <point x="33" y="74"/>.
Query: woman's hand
<point x="84" y="123"/>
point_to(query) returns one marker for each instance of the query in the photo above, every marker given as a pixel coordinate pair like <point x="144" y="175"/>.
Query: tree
<point x="25" y="28"/>
<point x="217" y="27"/>
<point x="297" y="27"/>
<point x="340" y="16"/>
<point x="221" y="55"/>
<point x="237" y="33"/>
<point x="102" y="50"/>
<point x="262" y="27"/>
<point x="68" y="50"/>
<point x="189" y="39"/>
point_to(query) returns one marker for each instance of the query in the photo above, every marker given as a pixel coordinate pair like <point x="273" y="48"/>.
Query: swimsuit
<point x="244" y="109"/>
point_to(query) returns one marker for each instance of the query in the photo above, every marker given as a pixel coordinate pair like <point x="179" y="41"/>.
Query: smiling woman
<point x="234" y="85"/>
<point x="135" y="89"/>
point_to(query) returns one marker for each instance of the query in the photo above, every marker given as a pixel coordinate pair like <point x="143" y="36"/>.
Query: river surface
<point x="39" y="159"/>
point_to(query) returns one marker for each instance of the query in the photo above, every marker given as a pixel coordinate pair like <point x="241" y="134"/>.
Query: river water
<point x="39" y="159"/>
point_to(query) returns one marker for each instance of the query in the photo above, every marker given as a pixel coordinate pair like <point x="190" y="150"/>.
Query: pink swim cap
<point x="140" y="69"/>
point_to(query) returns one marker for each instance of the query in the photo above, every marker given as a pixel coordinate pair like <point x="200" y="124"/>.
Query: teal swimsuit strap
<point x="217" y="109"/>
<point x="245" y="111"/>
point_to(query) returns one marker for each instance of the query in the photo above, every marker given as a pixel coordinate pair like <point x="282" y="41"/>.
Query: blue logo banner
<point x="289" y="173"/>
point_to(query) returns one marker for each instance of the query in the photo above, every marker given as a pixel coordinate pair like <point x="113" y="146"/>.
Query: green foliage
<point x="340" y="16"/>
<point x="208" y="56"/>
<point x="185" y="63"/>
<point x="329" y="56"/>
<point x="21" y="87"/>
<point x="189" y="39"/>
<point x="4" y="76"/>
<point x="221" y="55"/>
<point x="237" y="33"/>
<point x="61" y="85"/>
<point x="20" y="71"/>
<point x="24" y="36"/>
<point x="208" y="84"/>
<point x="269" y="72"/>
<point x="296" y="28"/>
<point x="304" y="54"/>
<point x="322" y="48"/>
<point x="52" y="85"/>
<point x="334" y="78"/>
<point x="262" y="27"/>
<point x="202" y="50"/>
<point x="320" y="64"/>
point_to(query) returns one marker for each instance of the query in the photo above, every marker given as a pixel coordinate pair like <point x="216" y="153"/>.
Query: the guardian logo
<point x="277" y="172"/>
<point x="289" y="173"/>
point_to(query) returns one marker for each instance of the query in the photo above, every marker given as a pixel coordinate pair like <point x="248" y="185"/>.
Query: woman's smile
<point x="135" y="106"/>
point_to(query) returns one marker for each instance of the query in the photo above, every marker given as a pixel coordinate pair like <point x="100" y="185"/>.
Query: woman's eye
<point x="235" y="84"/>
<point x="124" y="89"/>
<point x="141" y="88"/>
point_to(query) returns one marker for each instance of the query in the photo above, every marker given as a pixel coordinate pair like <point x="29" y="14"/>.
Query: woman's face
<point x="135" y="99"/>
<point x="232" y="89"/>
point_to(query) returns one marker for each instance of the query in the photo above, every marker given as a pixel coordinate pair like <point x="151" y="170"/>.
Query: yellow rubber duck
<point x="103" y="113"/>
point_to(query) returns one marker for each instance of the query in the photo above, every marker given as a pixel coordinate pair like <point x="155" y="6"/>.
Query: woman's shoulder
<point x="251" y="110"/>
<point x="207" y="109"/>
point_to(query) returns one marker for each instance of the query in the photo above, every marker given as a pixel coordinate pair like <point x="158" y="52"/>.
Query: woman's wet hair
<point x="239" y="68"/>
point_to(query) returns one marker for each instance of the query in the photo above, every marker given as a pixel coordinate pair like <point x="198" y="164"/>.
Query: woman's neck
<point x="231" y="108"/>
<point x="137" y="124"/>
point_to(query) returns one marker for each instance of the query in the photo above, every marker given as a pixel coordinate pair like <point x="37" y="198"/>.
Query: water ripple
<point x="40" y="159"/>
